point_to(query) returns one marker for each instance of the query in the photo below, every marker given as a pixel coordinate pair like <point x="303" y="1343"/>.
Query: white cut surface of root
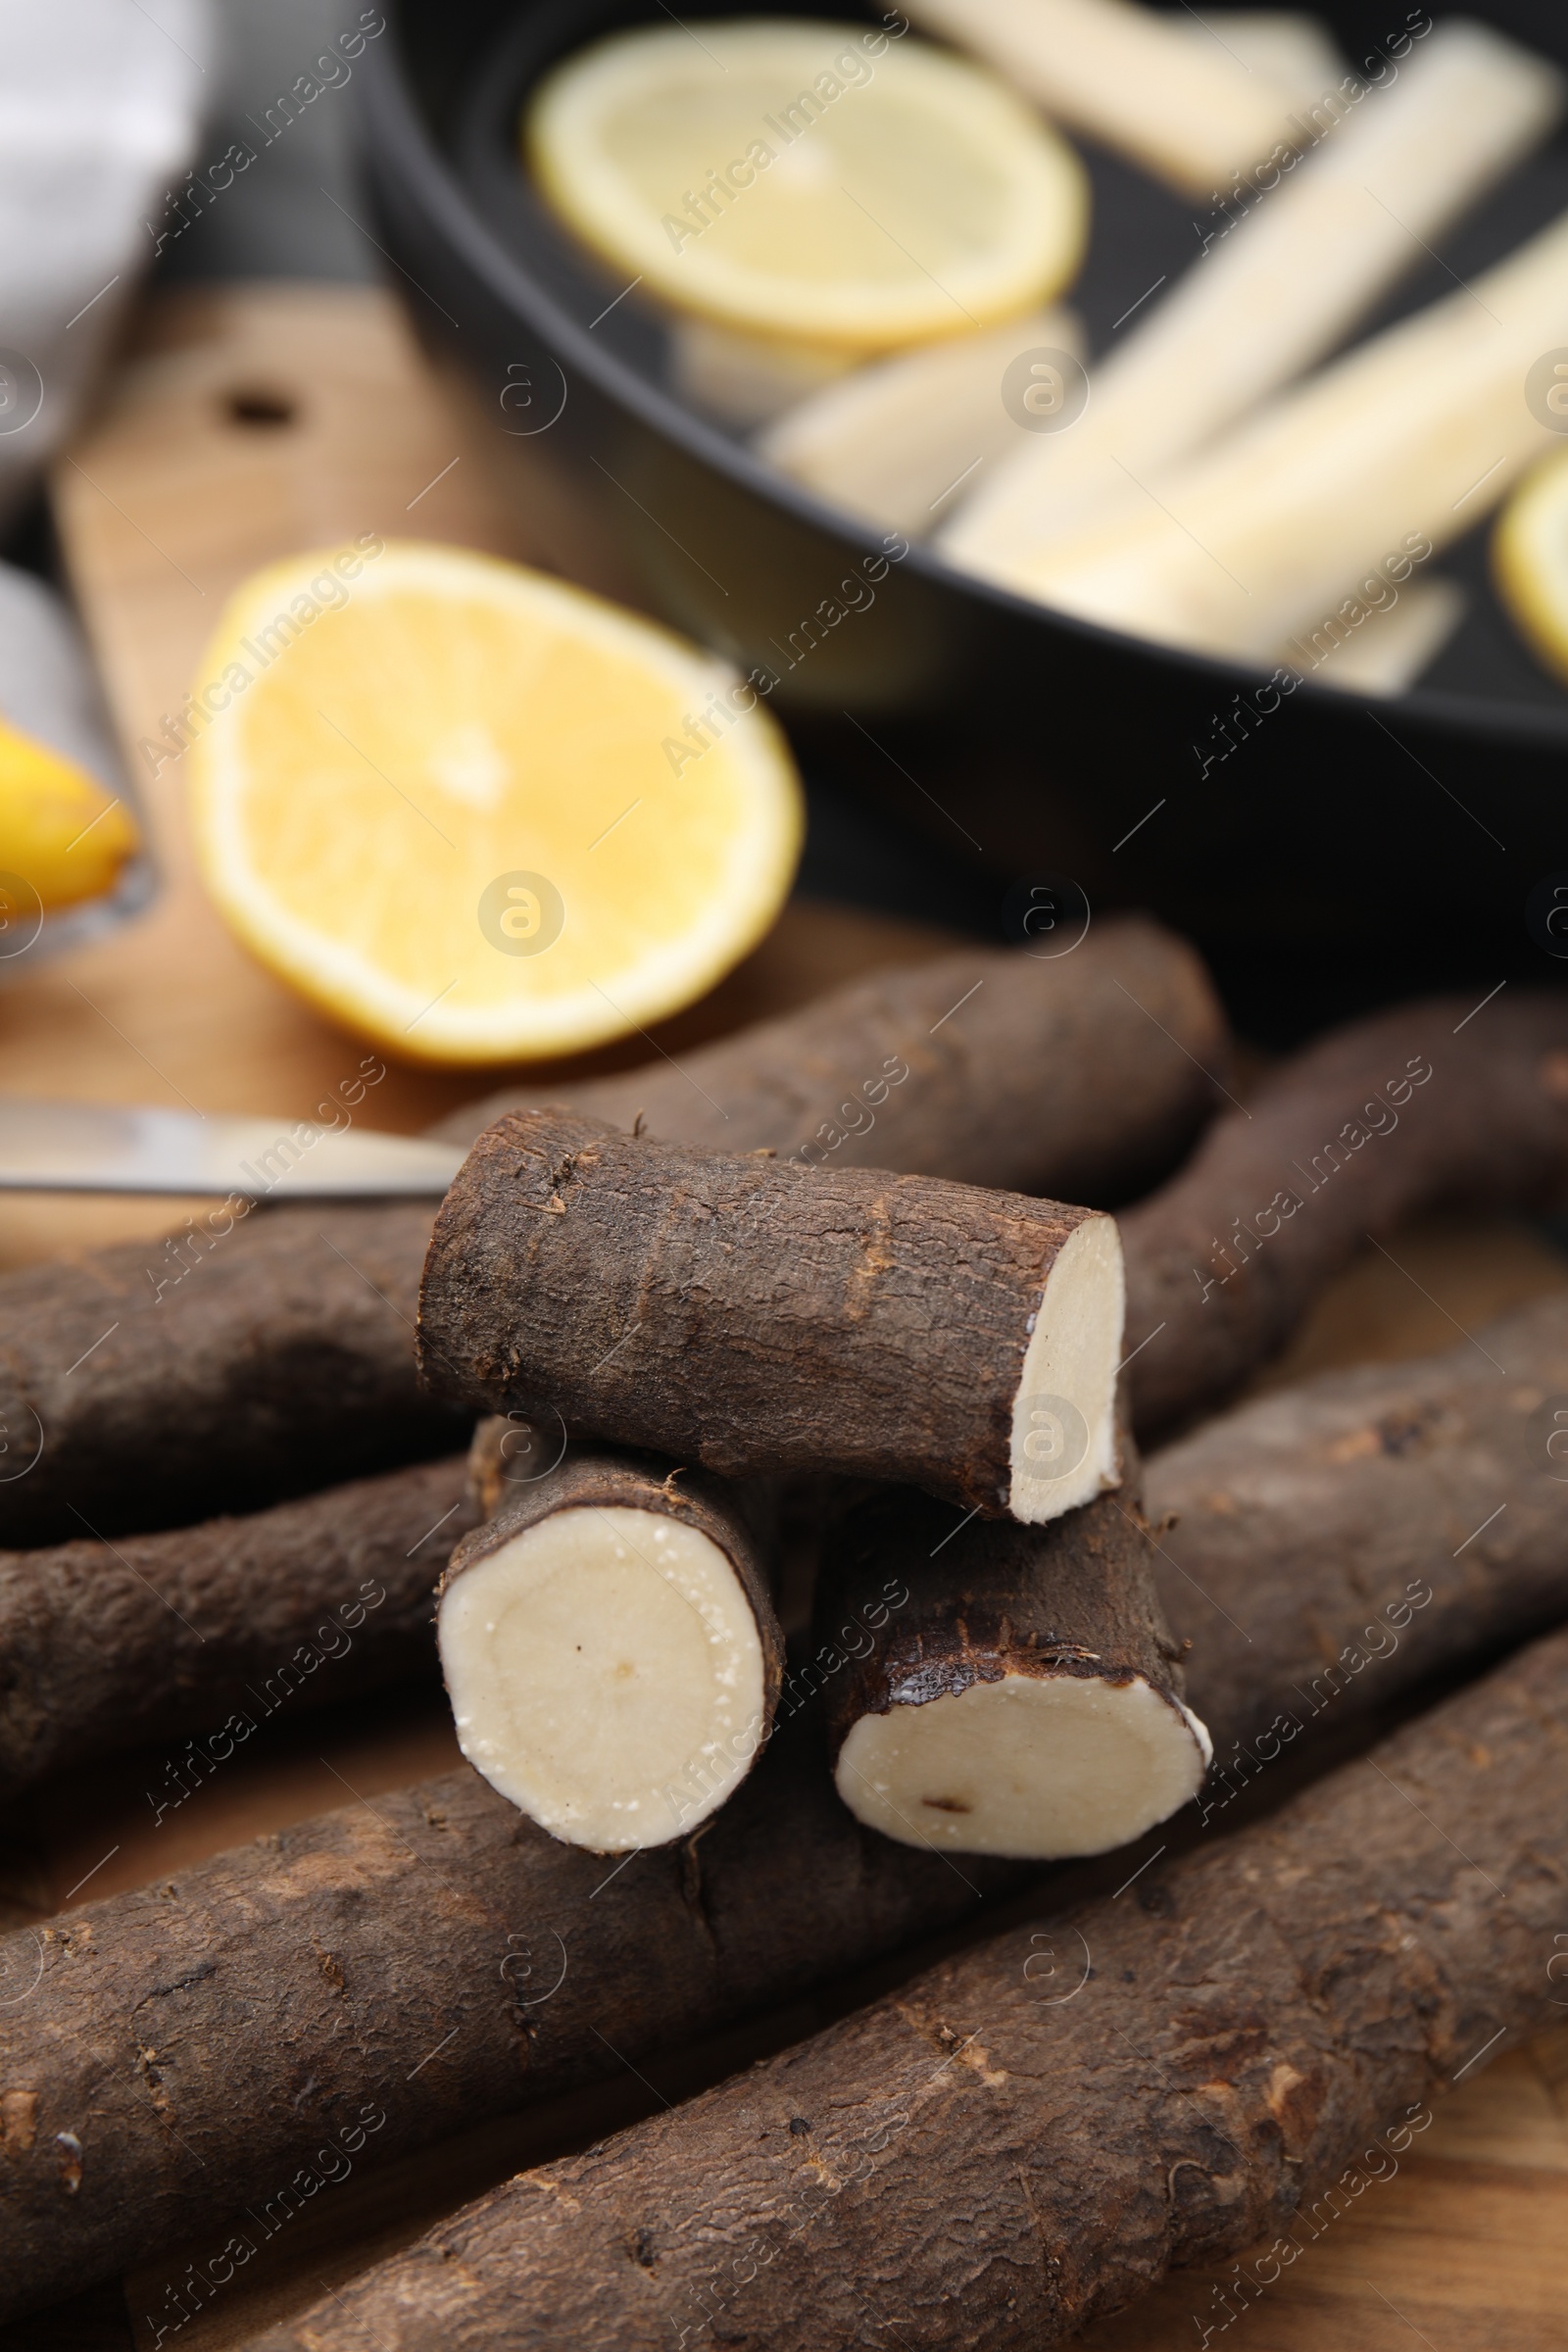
<point x="1065" y="1414"/>
<point x="606" y="1674"/>
<point x="1036" y="1767"/>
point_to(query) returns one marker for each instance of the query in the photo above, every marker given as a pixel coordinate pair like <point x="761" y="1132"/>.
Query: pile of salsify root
<point x="894" y="1410"/>
<point x="808" y="1589"/>
<point x="812" y="1398"/>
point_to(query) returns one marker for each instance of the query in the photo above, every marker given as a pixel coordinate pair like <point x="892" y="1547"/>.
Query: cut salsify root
<point x="611" y="1651"/>
<point x="614" y="1676"/>
<point x="614" y="1663"/>
<point x="764" y="1319"/>
<point x="1027" y="1701"/>
<point x="1001" y="1712"/>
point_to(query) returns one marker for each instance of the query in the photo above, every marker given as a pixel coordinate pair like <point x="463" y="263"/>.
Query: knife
<point x="113" y="1148"/>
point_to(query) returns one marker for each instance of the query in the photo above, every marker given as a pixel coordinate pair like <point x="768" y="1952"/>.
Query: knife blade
<point x="119" y="1147"/>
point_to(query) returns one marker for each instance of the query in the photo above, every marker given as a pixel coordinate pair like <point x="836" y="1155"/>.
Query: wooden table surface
<point x="163" y="506"/>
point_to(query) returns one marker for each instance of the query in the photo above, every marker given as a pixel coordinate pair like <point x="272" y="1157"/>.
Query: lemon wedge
<point x="1529" y="561"/>
<point x="60" y="831"/>
<point x="812" y="181"/>
<point x="477" y="815"/>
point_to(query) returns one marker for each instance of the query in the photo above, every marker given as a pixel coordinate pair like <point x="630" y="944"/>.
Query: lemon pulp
<point x="1530" y="560"/>
<point x="477" y="815"/>
<point x="797" y="179"/>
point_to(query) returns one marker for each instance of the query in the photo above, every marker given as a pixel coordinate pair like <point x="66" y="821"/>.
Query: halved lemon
<point x="478" y="815"/>
<point x="1530" y="560"/>
<point x="59" y="830"/>
<point x="810" y="181"/>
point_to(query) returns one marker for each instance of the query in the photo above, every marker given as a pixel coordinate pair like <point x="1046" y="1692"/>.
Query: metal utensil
<point x="114" y="1147"/>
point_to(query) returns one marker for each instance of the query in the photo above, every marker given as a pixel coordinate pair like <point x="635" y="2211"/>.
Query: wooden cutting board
<point x="250" y="422"/>
<point x="244" y="424"/>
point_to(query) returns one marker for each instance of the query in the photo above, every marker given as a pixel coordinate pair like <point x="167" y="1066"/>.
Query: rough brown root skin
<point x="1027" y="1700"/>
<point x="1435" y="1103"/>
<point x="241" y="2011"/>
<point x="508" y="1454"/>
<point x="281" y="1362"/>
<point x="1040" y="2129"/>
<point x="278" y="1356"/>
<point x="611" y="1647"/>
<point x="322" y="1957"/>
<point x="104" y="1646"/>
<point x="1364" y="1531"/>
<point x="1066" y="1074"/>
<point x="767" y="1319"/>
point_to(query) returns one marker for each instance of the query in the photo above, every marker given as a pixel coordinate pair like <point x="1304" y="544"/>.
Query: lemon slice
<point x="1529" y="561"/>
<point x="59" y="830"/>
<point x="475" y="814"/>
<point x="810" y="181"/>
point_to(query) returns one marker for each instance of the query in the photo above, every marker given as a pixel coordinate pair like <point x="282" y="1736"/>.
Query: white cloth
<point x="100" y="105"/>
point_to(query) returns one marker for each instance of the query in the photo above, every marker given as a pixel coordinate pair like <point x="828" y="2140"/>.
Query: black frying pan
<point x="1342" y="853"/>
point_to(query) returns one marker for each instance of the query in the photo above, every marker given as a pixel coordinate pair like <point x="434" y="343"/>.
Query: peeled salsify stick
<point x="1388" y="652"/>
<point x="746" y="380"/>
<point x="891" y="440"/>
<point x="1294" y="50"/>
<point x="771" y="1320"/>
<point x="1190" y="114"/>
<point x="1272" y="294"/>
<point x="1310" y="514"/>
<point x="610" y="1645"/>
<point x="895" y="442"/>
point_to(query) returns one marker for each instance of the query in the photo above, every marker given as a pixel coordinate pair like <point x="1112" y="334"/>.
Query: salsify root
<point x="209" y="1629"/>
<point x="1439" y="1104"/>
<point x="764" y="1319"/>
<point x="1029" y="1699"/>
